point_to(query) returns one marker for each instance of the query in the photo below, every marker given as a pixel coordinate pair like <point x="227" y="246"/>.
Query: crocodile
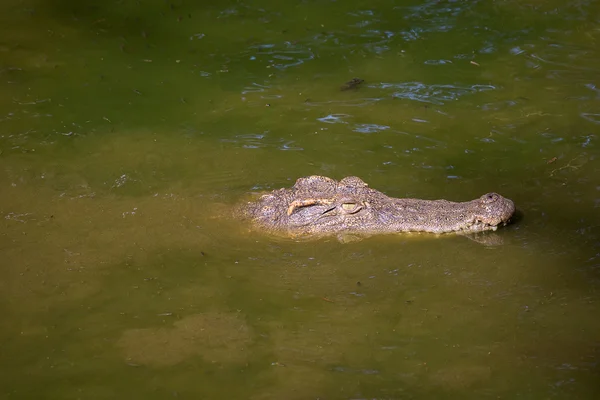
<point x="318" y="206"/>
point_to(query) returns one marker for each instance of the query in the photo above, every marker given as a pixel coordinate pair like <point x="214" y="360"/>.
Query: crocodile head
<point x="320" y="206"/>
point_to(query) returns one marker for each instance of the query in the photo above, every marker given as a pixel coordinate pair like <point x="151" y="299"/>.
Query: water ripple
<point x="255" y="88"/>
<point x="370" y="128"/>
<point x="434" y="16"/>
<point x="435" y="94"/>
<point x="595" y="118"/>
<point x="437" y="62"/>
<point x="281" y="56"/>
<point x="334" y="118"/>
<point x="262" y="140"/>
<point x="348" y="103"/>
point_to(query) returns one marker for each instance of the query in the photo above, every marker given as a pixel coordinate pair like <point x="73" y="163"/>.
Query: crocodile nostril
<point x="489" y="198"/>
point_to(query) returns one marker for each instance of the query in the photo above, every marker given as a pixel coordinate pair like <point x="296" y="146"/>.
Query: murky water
<point x="129" y="129"/>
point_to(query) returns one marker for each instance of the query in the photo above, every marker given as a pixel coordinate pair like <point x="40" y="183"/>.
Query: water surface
<point x="129" y="129"/>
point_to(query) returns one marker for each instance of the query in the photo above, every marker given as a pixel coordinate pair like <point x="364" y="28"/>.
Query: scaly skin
<point x="318" y="206"/>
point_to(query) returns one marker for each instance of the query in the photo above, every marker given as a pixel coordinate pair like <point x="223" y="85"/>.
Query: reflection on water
<point x="129" y="132"/>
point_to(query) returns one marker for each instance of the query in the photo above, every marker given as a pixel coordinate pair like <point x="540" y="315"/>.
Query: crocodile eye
<point x="348" y="206"/>
<point x="351" y="208"/>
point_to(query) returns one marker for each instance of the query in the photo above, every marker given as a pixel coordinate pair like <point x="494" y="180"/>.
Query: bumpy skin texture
<point x="319" y="206"/>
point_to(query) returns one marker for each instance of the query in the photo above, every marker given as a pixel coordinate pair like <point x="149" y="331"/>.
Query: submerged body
<point x="319" y="206"/>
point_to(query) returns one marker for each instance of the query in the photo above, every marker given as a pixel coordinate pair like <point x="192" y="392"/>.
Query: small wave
<point x="435" y="94"/>
<point x="595" y="118"/>
<point x="262" y="140"/>
<point x="334" y="118"/>
<point x="370" y="128"/>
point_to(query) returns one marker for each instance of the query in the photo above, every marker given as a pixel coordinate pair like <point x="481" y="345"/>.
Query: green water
<point x="128" y="129"/>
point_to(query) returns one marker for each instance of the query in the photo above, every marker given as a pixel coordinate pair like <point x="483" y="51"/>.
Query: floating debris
<point x="352" y="84"/>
